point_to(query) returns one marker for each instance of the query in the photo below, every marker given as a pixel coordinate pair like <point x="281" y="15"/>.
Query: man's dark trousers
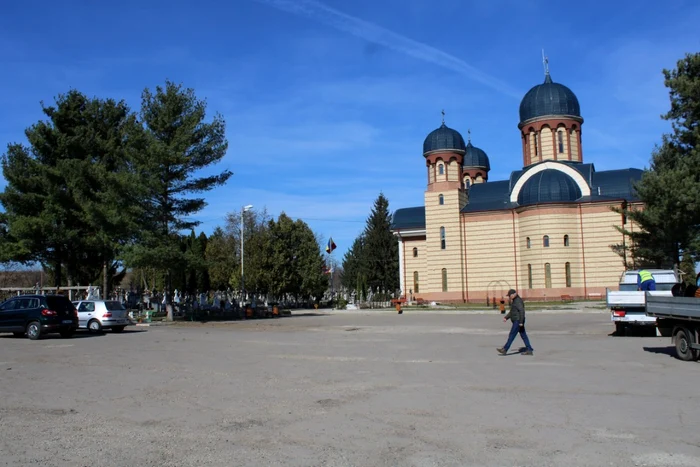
<point x="514" y="330"/>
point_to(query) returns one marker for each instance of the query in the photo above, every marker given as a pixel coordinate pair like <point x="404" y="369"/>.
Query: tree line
<point x="99" y="190"/>
<point x="669" y="224"/>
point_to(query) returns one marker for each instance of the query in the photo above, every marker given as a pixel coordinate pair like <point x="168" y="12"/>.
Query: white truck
<point x="628" y="305"/>
<point x="681" y="315"/>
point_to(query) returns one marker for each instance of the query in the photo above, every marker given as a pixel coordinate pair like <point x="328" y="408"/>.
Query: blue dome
<point x="444" y="139"/>
<point x="549" y="98"/>
<point x="475" y="157"/>
<point x="549" y="186"/>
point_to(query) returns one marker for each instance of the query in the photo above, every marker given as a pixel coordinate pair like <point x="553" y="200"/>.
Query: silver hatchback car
<point x="96" y="315"/>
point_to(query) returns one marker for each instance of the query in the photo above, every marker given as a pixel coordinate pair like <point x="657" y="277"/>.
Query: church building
<point x="546" y="231"/>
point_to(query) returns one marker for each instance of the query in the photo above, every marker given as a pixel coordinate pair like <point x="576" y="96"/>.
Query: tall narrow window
<point x="566" y="240"/>
<point x="441" y="169"/>
<point x="442" y="238"/>
<point x="568" y="274"/>
<point x="415" y="252"/>
<point x="547" y="276"/>
<point x="467" y="182"/>
<point x="545" y="241"/>
<point x="529" y="276"/>
<point x="441" y="200"/>
<point x="537" y="149"/>
<point x="444" y="280"/>
<point x="561" y="141"/>
<point x="528" y="242"/>
<point x="415" y="282"/>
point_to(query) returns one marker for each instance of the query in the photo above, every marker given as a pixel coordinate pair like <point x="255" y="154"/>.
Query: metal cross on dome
<point x="443" y="116"/>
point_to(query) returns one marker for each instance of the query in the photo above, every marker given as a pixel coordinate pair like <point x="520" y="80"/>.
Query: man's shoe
<point x="501" y="351"/>
<point x="527" y="352"/>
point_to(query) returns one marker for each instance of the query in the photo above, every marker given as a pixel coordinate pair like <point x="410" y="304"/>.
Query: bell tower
<point x="550" y="123"/>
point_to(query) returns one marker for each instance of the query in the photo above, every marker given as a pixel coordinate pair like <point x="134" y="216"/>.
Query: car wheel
<point x="118" y="329"/>
<point x="94" y="326"/>
<point x="18" y="334"/>
<point x="67" y="333"/>
<point x="684" y="339"/>
<point x="34" y="330"/>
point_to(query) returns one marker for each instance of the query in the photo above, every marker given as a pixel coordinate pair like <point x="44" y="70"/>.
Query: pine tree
<point x="670" y="188"/>
<point x="179" y="145"/>
<point x="69" y="200"/>
<point x="380" y="250"/>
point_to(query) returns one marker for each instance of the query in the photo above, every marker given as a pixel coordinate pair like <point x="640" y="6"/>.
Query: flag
<point x="331" y="246"/>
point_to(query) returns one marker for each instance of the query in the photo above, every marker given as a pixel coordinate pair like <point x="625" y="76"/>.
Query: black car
<point x="36" y="315"/>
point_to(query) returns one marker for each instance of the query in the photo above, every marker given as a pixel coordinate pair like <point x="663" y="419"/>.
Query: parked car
<point x="37" y="315"/>
<point x="97" y="315"/>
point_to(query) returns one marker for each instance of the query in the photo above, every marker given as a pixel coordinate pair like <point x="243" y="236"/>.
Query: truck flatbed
<point x="684" y="308"/>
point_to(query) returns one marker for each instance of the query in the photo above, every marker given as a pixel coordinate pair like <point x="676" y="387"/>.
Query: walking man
<point x="517" y="318"/>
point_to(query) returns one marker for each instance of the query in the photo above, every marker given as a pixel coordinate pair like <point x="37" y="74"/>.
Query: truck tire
<point x="684" y="338"/>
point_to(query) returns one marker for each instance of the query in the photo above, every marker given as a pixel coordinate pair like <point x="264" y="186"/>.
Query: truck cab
<point x="628" y="305"/>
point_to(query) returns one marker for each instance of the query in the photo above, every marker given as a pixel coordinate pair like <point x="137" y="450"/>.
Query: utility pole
<point x="244" y="209"/>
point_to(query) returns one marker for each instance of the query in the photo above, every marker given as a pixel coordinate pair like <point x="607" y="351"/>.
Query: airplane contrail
<point x="371" y="32"/>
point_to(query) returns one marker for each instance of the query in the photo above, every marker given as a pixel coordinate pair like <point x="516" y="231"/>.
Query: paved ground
<point x="358" y="389"/>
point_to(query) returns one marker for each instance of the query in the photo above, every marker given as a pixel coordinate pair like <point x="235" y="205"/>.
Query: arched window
<point x="415" y="252"/>
<point x="537" y="149"/>
<point x="444" y="280"/>
<point x="560" y="135"/>
<point x="415" y="282"/>
<point x="441" y="169"/>
<point x="441" y="200"/>
<point x="568" y="274"/>
<point x="467" y="182"/>
<point x="442" y="238"/>
<point x="547" y="276"/>
<point x="528" y="242"/>
<point x="545" y="241"/>
<point x="566" y="240"/>
<point x="529" y="276"/>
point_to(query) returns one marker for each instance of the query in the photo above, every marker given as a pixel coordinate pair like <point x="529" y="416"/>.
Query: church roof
<point x="606" y="185"/>
<point x="549" y="98"/>
<point x="408" y="218"/>
<point x="548" y="186"/>
<point x="444" y="139"/>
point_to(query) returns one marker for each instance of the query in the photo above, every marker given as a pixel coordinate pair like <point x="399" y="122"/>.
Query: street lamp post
<point x="244" y="209"/>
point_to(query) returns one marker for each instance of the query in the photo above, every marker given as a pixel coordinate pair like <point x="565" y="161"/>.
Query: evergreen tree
<point x="68" y="201"/>
<point x="353" y="267"/>
<point x="222" y="258"/>
<point x="380" y="251"/>
<point x="179" y="145"/>
<point x="670" y="188"/>
<point x="203" y="283"/>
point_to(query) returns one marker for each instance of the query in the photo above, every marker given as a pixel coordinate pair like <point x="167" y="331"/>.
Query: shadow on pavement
<point x="670" y="351"/>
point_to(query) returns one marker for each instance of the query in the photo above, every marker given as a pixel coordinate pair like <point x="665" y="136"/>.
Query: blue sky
<point x="327" y="104"/>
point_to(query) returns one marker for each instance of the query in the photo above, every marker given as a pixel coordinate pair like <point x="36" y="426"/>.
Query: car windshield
<point x="59" y="304"/>
<point x="114" y="306"/>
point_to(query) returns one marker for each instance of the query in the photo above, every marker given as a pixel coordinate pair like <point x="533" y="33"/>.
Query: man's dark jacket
<point x="517" y="310"/>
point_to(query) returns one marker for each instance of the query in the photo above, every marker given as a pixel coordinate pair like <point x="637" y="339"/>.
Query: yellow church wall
<point x="603" y="266"/>
<point x="490" y="255"/>
<point x="546" y="140"/>
<point x="453" y="170"/>
<point x="575" y="156"/>
<point x="413" y="264"/>
<point x="446" y="216"/>
<point x="555" y="222"/>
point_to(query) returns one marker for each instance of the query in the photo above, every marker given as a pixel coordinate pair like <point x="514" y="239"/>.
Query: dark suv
<point x="35" y="315"/>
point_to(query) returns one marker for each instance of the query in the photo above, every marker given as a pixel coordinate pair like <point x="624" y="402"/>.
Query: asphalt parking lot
<point x="350" y="390"/>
